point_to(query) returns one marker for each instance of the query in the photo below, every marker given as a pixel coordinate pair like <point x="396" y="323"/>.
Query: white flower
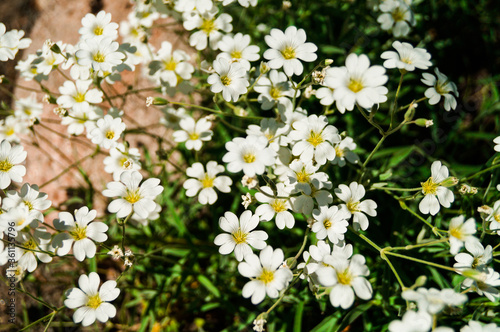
<point x="397" y="16"/>
<point x="50" y="60"/>
<point x="462" y="232"/>
<point x="205" y="182"/>
<point x="287" y="49"/>
<point x="173" y="65"/>
<point x="352" y="197"/>
<point x="121" y="159"/>
<point x="357" y="83"/>
<point x="193" y="132"/>
<point x="28" y="108"/>
<point x="98" y="25"/>
<point x="100" y="53"/>
<point x="249" y="154"/>
<point x="10" y="42"/>
<point x="345" y="277"/>
<point x="10" y="158"/>
<point x="497" y="142"/>
<point x="133" y="197"/>
<point x="315" y="139"/>
<point x="209" y="26"/>
<point x="107" y="132"/>
<point x="12" y="127"/>
<point x="475" y="326"/>
<point x="494" y="217"/>
<point x="407" y="57"/>
<point x="479" y="259"/>
<point x="229" y="78"/>
<point x="238" y="49"/>
<point x="275" y="206"/>
<point x="81" y="117"/>
<point x="79" y="230"/>
<point x="241" y="234"/>
<point x="343" y="151"/>
<point x="20" y="217"/>
<point x="440" y="86"/>
<point x="92" y="302"/>
<point x="275" y="91"/>
<point x="484" y="283"/>
<point x="412" y="321"/>
<point x="330" y="222"/>
<point x="191" y="5"/>
<point x="78" y="93"/>
<point x="267" y="274"/>
<point x="435" y="193"/>
<point x="433" y="300"/>
<point x="30" y="196"/>
<point x="26" y="254"/>
<point x="273" y="130"/>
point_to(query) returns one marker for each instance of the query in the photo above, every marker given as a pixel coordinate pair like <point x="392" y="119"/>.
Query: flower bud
<point x="264" y="68"/>
<point x="449" y="181"/>
<point x="328" y="62"/>
<point x="424" y="122"/>
<point x="409" y="114"/>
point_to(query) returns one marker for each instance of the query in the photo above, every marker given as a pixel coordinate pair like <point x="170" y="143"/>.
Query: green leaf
<point x="297" y="323"/>
<point x="353" y="315"/>
<point x="208" y="285"/>
<point x="326" y="324"/>
<point x="329" y="49"/>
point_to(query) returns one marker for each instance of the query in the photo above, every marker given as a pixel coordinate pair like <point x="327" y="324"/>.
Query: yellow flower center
<point x="99" y="57"/>
<point x="345" y="277"/>
<point x="239" y="236"/>
<point x="355" y="86"/>
<point x="170" y="64"/>
<point x="279" y="205"/>
<point x="94" y="301"/>
<point x="266" y="276"/>
<point x="249" y="158"/>
<point x="315" y="138"/>
<point x="110" y="134"/>
<point x="288" y="53"/>
<point x="429" y="187"/>
<point x="79" y="98"/>
<point x="207" y="181"/>
<point x="275" y="92"/>
<point x="457" y="233"/>
<point x="79" y="233"/>
<point x="235" y="54"/>
<point x="194" y="136"/>
<point x="5" y="165"/>
<point x="132" y="196"/>
<point x="98" y="31"/>
<point x="327" y="223"/>
<point x="339" y="152"/>
<point x="353" y="206"/>
<point x="407" y="60"/>
<point x="10" y="132"/>
<point x="30" y="244"/>
<point x="225" y="80"/>
<point x="398" y="15"/>
<point x="207" y="26"/>
<point x="497" y="217"/>
<point x="303" y="176"/>
<point x="29" y="205"/>
<point x="441" y="87"/>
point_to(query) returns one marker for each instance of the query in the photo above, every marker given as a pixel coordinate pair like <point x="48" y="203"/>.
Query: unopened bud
<point x="449" y="181"/>
<point x="328" y="62"/>
<point x="264" y="68"/>
<point x="240" y="111"/>
<point x="420" y="281"/>
<point x="55" y="48"/>
<point x="155" y="101"/>
<point x="210" y="117"/>
<point x="424" y="122"/>
<point x="409" y="114"/>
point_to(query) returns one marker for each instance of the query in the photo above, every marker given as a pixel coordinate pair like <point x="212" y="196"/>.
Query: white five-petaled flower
<point x="278" y="206"/>
<point x="30" y="196"/>
<point x="80" y="230"/>
<point x="267" y="272"/>
<point x="433" y="300"/>
<point x="249" y="154"/>
<point x="412" y="321"/>
<point x="194" y="133"/>
<point x="92" y="302"/>
<point x="120" y="159"/>
<point x="275" y="90"/>
<point x="98" y="25"/>
<point x="205" y="182"/>
<point x="240" y="234"/>
<point x="107" y="131"/>
<point x="209" y="26"/>
<point x="407" y="57"/>
<point x="73" y="93"/>
<point x="435" y="193"/>
<point x="229" y="78"/>
<point x="238" y="49"/>
<point x="315" y="139"/>
<point x="100" y="53"/>
<point x="354" y="206"/>
<point x="480" y="257"/>
<point x="343" y="151"/>
<point x="287" y="49"/>
<point x="10" y="42"/>
<point x="345" y="277"/>
<point x="462" y="232"/>
<point x="173" y="65"/>
<point x="132" y="196"/>
<point x="475" y="326"/>
<point x="440" y="85"/>
<point x="330" y="222"/>
<point x="10" y="158"/>
<point x="396" y="16"/>
<point x="32" y="246"/>
<point x="357" y="83"/>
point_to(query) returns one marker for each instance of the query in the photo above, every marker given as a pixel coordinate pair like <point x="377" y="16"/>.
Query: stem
<point x="214" y="111"/>
<point x="397" y="189"/>
<point x="374" y="150"/>
<point x="421" y="261"/>
<point x="480" y="172"/>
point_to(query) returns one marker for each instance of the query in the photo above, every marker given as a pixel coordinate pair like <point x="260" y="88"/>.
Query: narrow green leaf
<point x="208" y="285"/>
